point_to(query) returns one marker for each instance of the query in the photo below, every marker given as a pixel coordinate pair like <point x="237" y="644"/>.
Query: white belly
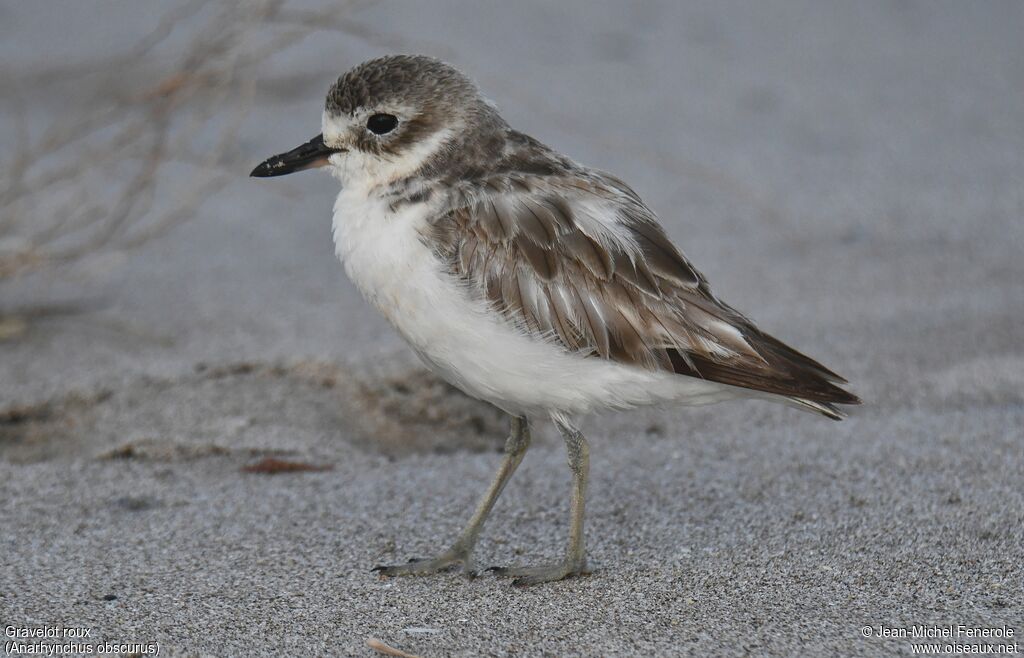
<point x="472" y="347"/>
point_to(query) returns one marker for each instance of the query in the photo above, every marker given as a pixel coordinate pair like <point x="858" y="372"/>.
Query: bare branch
<point x="92" y="180"/>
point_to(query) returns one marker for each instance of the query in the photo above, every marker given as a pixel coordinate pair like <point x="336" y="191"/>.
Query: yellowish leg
<point x="575" y="562"/>
<point x="461" y="551"/>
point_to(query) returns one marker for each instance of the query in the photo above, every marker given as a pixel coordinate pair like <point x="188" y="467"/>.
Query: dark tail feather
<point x="781" y="378"/>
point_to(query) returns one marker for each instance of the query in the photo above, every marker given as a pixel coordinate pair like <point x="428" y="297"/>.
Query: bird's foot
<point x="447" y="561"/>
<point x="543" y="573"/>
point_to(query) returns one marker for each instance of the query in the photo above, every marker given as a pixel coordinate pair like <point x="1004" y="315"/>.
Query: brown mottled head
<point x="412" y="80"/>
<point x="392" y="105"/>
<point x="393" y="116"/>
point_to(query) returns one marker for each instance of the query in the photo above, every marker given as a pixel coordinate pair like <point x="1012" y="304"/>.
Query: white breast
<point x="469" y="344"/>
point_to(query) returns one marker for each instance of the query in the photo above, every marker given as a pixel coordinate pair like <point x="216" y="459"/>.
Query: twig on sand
<point x="274" y="466"/>
<point x="386" y="649"/>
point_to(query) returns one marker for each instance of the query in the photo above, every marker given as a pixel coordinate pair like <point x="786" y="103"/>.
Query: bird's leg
<point x="461" y="551"/>
<point x="575" y="562"/>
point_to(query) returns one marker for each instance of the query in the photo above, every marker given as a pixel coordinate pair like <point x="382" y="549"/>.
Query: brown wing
<point x="582" y="262"/>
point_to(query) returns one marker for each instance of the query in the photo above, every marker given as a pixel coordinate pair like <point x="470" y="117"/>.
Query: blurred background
<point x="849" y="174"/>
<point x="131" y="240"/>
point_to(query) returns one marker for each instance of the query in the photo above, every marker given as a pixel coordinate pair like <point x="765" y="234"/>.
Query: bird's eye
<point x="380" y="124"/>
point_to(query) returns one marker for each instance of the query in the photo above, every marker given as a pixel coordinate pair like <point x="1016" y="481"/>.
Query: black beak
<point x="313" y="153"/>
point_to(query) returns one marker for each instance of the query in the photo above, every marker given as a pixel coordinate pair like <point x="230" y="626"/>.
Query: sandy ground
<point x="848" y="174"/>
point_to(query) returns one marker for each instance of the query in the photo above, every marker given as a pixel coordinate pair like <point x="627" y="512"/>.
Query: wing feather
<point x="613" y="286"/>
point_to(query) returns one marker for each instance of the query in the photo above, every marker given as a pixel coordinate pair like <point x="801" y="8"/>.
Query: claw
<point x="383" y="570"/>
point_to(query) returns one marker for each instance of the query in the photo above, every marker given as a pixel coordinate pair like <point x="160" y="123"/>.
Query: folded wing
<point x="581" y="261"/>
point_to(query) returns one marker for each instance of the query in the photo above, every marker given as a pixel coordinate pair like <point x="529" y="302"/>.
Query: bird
<point x="536" y="284"/>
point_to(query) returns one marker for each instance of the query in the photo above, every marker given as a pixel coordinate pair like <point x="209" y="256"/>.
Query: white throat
<point x="368" y="170"/>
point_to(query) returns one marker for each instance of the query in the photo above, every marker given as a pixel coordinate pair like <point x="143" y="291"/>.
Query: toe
<point x="417" y="567"/>
<point x="542" y="576"/>
<point x="526" y="576"/>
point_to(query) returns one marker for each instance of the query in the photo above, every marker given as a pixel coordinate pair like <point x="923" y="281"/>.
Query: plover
<point x="541" y="286"/>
